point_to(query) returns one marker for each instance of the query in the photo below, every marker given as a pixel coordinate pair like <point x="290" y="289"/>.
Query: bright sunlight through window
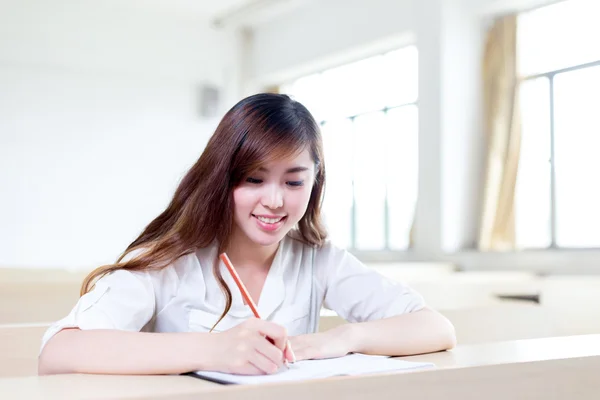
<point x="557" y="200"/>
<point x="368" y="115"/>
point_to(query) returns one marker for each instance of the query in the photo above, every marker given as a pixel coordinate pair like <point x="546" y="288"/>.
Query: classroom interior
<point x="460" y="142"/>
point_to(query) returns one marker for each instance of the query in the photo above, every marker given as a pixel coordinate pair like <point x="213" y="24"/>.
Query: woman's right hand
<point x="245" y="349"/>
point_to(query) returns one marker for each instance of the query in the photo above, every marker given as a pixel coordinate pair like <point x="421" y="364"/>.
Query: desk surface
<point x="505" y="356"/>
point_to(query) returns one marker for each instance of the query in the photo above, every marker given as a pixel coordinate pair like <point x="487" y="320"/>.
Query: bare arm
<point x="243" y="349"/>
<point x="424" y="331"/>
<point x="123" y="352"/>
<point x="357" y="292"/>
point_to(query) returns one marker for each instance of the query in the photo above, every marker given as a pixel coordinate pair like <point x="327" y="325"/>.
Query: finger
<point x="275" y="332"/>
<point x="263" y="363"/>
<point x="269" y="351"/>
<point x="289" y="353"/>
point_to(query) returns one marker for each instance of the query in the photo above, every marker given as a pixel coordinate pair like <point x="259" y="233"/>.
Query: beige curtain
<point x="503" y="129"/>
<point x="273" y="89"/>
<point x="411" y="233"/>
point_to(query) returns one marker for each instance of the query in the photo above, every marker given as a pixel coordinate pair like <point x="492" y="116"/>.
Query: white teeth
<point x="269" y="220"/>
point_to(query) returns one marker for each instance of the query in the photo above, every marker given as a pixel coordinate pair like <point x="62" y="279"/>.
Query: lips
<point x="269" y="222"/>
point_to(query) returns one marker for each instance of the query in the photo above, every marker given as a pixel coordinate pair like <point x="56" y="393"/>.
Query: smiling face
<point x="270" y="201"/>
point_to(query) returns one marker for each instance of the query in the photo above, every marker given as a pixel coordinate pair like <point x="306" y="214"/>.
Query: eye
<point x="295" y="183"/>
<point x="253" y="180"/>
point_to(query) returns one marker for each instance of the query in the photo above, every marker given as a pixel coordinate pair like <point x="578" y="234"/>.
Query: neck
<point x="244" y="253"/>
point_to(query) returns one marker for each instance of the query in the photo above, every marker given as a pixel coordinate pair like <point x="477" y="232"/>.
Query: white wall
<point x="428" y="217"/>
<point x="463" y="140"/>
<point x="98" y="122"/>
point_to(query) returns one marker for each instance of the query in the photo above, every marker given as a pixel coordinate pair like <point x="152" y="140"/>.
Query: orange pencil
<point x="245" y="293"/>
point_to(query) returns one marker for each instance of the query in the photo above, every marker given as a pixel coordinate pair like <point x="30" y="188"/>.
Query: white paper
<point x="354" y="364"/>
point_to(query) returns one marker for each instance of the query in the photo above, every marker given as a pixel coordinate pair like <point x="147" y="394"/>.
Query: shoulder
<point x="167" y="278"/>
<point x="331" y="254"/>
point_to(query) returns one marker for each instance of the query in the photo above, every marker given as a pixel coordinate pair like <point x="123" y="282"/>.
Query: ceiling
<point x="218" y="12"/>
<point x="201" y="9"/>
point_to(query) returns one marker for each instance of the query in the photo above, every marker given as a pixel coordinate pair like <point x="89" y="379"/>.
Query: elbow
<point x="450" y="341"/>
<point x="49" y="366"/>
<point x="44" y="367"/>
<point x="52" y="358"/>
<point x="47" y="358"/>
<point x="447" y="334"/>
<point x="445" y="331"/>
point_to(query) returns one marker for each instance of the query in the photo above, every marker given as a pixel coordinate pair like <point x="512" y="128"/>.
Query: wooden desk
<point x="553" y="368"/>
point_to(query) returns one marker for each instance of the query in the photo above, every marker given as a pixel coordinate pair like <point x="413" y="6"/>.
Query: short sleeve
<point x="123" y="300"/>
<point x="358" y="293"/>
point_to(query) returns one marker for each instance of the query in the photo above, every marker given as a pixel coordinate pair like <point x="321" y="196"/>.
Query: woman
<point x="168" y="305"/>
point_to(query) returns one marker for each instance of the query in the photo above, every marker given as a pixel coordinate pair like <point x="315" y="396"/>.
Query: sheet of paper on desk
<point x="354" y="364"/>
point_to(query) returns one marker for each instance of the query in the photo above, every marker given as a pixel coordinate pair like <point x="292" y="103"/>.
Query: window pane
<point x="308" y="90"/>
<point x="401" y="173"/>
<point x="367" y="85"/>
<point x="558" y="36"/>
<point x="353" y="88"/>
<point x="577" y="141"/>
<point x="337" y="206"/>
<point x="369" y="181"/>
<point x="358" y="180"/>
<point x="532" y="197"/>
<point x="400" y="77"/>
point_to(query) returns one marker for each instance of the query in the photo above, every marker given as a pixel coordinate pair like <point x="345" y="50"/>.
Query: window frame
<point x="352" y="245"/>
<point x="550" y="75"/>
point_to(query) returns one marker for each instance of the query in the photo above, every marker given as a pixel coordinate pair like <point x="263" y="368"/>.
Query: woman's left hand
<point x="333" y="343"/>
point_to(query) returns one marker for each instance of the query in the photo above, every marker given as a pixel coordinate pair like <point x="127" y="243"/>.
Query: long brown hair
<point x="258" y="129"/>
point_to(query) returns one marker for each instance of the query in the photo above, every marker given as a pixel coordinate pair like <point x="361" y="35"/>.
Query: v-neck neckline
<point x="272" y="293"/>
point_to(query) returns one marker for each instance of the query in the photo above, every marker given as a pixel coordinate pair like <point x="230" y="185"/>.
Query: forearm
<point x="121" y="352"/>
<point x="424" y="331"/>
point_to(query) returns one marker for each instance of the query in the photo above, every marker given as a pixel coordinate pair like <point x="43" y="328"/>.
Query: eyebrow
<point x="288" y="171"/>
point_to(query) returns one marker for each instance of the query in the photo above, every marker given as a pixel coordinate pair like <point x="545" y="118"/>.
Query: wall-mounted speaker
<point x="209" y="101"/>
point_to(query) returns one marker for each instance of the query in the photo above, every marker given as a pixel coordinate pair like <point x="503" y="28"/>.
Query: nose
<point x="272" y="197"/>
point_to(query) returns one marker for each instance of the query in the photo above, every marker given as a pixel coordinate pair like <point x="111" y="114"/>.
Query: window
<point x="368" y="115"/>
<point x="557" y="201"/>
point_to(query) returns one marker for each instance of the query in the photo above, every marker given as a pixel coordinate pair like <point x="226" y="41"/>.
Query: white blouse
<point x="185" y="296"/>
